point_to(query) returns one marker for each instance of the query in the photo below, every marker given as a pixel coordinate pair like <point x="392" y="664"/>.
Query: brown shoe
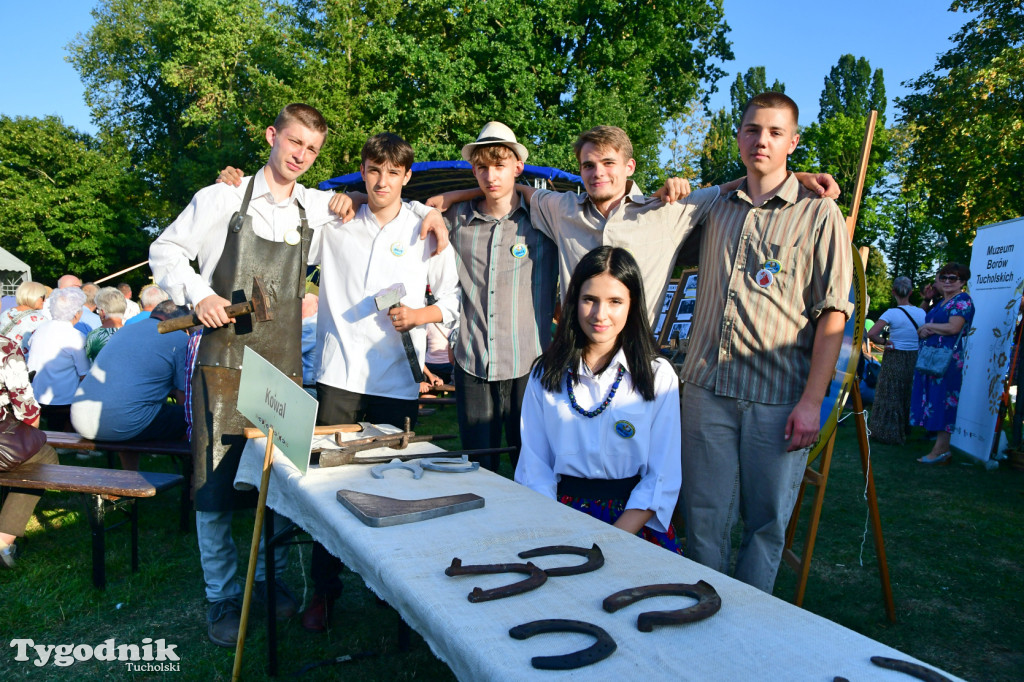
<point x="223" y="619"/>
<point x="316" y="617"/>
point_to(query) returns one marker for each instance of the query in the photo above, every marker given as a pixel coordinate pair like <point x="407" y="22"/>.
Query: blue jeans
<point x="735" y="463"/>
<point x="219" y="556"/>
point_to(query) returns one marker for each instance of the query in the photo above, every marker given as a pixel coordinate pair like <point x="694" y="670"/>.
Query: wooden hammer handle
<point x="253" y="432"/>
<point x="186" y="321"/>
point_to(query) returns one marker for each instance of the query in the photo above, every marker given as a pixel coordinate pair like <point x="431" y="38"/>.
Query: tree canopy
<point x="69" y="203"/>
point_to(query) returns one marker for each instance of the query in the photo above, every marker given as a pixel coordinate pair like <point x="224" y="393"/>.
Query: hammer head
<point x="390" y="297"/>
<point x="260" y="304"/>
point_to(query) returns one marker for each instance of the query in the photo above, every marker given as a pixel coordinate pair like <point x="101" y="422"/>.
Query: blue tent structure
<point x="434" y="177"/>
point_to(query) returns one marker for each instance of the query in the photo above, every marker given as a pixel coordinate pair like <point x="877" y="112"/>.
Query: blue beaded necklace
<point x="600" y="408"/>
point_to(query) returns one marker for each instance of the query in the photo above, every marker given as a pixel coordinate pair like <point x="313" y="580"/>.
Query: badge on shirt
<point x="625" y="429"/>
<point x="292" y="237"/>
<point x="773" y="266"/>
<point x="519" y="251"/>
<point x="397" y="249"/>
<point x="764" y="278"/>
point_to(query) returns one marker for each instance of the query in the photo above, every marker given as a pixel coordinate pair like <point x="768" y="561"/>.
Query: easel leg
<point x="819" y="479"/>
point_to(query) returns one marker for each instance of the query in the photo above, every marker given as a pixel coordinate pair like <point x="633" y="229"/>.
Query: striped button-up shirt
<point x="508" y="273"/>
<point x="753" y="334"/>
<point x="650" y="230"/>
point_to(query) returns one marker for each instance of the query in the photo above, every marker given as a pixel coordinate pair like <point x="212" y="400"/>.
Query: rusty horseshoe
<point x="708" y="603"/>
<point x="601" y="649"/>
<point x="536" y="579"/>
<point x="595" y="559"/>
<point x="912" y="669"/>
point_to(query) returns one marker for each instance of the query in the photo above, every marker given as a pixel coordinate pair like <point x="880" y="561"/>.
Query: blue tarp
<point x="434" y="177"/>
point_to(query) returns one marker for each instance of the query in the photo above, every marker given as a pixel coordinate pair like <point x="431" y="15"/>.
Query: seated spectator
<point x="124" y="396"/>
<point x="16" y="398"/>
<point x="438" y="359"/>
<point x="19" y="322"/>
<point x="132" y="308"/>
<point x="90" y="318"/>
<point x="57" y="357"/>
<point x="149" y="297"/>
<point x="110" y="304"/>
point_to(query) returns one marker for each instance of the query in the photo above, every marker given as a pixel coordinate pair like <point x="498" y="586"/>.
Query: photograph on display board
<point x="685" y="310"/>
<point x="680" y="308"/>
<point x="665" y="305"/>
<point x="680" y="331"/>
<point x="690" y="288"/>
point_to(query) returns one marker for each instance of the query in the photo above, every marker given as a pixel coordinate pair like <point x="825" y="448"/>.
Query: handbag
<point x="933" y="361"/>
<point x="18" y="441"/>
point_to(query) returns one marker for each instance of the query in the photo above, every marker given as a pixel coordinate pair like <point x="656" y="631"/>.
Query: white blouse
<point x="632" y="436"/>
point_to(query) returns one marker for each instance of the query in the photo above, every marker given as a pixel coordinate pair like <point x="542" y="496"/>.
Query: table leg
<point x="95" y="512"/>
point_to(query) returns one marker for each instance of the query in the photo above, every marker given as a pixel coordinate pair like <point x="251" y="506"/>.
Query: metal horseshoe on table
<point x="449" y="465"/>
<point x="414" y="467"/>
<point x="601" y="649"/>
<point x="708" y="603"/>
<point x="536" y="578"/>
<point x="595" y="559"/>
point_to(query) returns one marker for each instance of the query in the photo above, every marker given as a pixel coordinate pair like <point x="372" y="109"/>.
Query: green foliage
<point x="877" y="282"/>
<point x="833" y="143"/>
<point x="720" y="157"/>
<point x="69" y="202"/>
<point x="967" y="124"/>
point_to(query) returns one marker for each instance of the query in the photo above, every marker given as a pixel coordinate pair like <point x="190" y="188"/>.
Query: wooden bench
<point x="179" y="450"/>
<point x="104" y="490"/>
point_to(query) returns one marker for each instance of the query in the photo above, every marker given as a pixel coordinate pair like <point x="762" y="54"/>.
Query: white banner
<point x="997" y="279"/>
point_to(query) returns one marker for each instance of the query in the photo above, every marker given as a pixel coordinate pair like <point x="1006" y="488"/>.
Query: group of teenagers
<point x="598" y="415"/>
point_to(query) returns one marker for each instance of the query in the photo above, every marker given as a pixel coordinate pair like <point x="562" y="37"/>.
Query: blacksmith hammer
<point x="258" y="306"/>
<point x="392" y="298"/>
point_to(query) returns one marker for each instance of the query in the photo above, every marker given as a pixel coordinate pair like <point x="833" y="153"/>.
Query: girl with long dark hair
<point x="600" y="419"/>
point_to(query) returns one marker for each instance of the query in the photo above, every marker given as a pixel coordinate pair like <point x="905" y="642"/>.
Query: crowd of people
<point x="599" y="419"/>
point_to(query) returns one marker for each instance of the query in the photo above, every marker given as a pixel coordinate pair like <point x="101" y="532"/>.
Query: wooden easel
<point x="819" y="478"/>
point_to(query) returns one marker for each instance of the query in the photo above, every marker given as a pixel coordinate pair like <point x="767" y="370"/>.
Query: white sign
<point x="997" y="279"/>
<point x="269" y="399"/>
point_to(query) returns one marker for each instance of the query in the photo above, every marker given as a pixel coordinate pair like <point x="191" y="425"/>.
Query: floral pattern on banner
<point x="15" y="388"/>
<point x="934" y="400"/>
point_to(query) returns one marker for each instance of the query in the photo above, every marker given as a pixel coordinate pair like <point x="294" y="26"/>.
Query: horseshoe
<point x="601" y="649"/>
<point x="536" y="579"/>
<point x="449" y="465"/>
<point x="595" y="559"/>
<point x="708" y="603"/>
<point x="414" y="467"/>
<point x="912" y="669"/>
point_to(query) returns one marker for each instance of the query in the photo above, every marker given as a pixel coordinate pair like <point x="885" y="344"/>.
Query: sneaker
<point x="317" y="616"/>
<point x="7" y="554"/>
<point x="223" y="619"/>
<point x="286" y="604"/>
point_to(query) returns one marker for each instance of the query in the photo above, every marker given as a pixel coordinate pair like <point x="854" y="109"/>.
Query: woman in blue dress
<point x="935" y="400"/>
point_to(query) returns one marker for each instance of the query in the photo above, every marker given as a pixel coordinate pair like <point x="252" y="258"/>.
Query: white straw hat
<point x="496" y="133"/>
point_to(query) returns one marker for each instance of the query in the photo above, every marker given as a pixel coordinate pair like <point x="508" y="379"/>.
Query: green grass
<point x="953" y="537"/>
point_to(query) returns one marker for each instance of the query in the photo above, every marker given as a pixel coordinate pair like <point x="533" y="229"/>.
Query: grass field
<point x="954" y="537"/>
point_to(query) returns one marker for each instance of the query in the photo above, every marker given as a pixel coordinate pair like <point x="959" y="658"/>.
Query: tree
<point x="684" y="139"/>
<point x="966" y="118"/>
<point x="832" y="143"/>
<point x="70" y="203"/>
<point x="720" y="157"/>
<point x="190" y="84"/>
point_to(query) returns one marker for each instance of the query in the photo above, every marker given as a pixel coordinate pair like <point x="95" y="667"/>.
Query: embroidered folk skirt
<point x="605" y="500"/>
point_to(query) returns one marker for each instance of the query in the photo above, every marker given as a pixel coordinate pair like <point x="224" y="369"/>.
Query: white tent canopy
<point x="13" y="271"/>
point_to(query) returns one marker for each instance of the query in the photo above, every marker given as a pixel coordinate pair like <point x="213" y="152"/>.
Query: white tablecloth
<point x="753" y="637"/>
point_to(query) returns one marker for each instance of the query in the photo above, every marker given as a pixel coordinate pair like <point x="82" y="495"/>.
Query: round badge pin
<point x="773" y="266"/>
<point x="625" y="429"/>
<point x="397" y="249"/>
<point x="291" y="237"/>
<point x="519" y="251"/>
<point x="764" y="278"/>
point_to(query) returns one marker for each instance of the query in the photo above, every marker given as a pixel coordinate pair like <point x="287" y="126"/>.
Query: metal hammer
<point x="258" y="306"/>
<point x="392" y="298"/>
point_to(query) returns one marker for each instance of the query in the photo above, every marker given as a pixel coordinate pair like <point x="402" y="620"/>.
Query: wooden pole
<point x="121" y="272"/>
<point x="261" y="507"/>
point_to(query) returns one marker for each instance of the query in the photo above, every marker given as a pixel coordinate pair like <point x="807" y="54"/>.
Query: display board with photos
<point x="676" y="317"/>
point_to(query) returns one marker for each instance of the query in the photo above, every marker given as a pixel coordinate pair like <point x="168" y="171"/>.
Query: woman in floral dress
<point x="934" y="400"/>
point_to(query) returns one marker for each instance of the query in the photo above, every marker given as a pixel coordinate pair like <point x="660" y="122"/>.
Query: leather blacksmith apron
<point x="217" y="439"/>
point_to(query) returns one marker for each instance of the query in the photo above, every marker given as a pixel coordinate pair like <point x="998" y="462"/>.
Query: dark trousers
<point x="484" y="409"/>
<point x="338" y="406"/>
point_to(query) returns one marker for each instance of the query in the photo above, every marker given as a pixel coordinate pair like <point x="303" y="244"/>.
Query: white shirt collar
<point x="618" y="359"/>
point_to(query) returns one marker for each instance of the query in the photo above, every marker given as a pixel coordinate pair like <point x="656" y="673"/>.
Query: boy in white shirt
<point x="364" y="373"/>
